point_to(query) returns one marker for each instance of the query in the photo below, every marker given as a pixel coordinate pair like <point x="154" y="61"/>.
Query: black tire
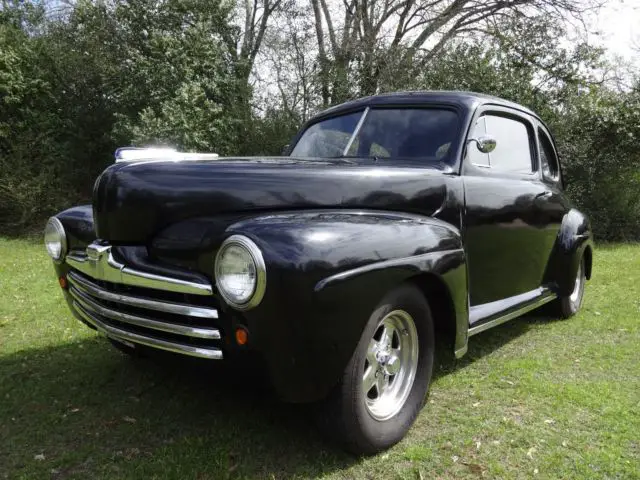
<point x="133" y="351"/>
<point x="567" y="306"/>
<point x="348" y="417"/>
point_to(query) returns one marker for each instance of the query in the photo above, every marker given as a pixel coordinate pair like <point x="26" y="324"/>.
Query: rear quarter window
<point x="548" y="157"/>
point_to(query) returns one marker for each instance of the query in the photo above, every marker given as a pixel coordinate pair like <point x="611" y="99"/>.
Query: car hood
<point x="134" y="201"/>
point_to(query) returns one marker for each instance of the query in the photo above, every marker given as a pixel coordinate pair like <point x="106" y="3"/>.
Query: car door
<point x="508" y="236"/>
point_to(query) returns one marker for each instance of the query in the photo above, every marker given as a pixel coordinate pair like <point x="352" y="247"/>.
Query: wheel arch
<point x="441" y="303"/>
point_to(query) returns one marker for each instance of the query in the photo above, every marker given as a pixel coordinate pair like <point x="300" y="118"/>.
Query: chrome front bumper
<point x="138" y="307"/>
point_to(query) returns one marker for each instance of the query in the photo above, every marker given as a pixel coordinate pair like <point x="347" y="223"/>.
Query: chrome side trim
<point x="485" y="311"/>
<point x="118" y="334"/>
<point x="91" y="306"/>
<point x="94" y="290"/>
<point x="99" y="263"/>
<point x="513" y="314"/>
<point x="381" y="265"/>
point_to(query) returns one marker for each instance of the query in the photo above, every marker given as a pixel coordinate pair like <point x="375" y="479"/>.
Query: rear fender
<point x="574" y="240"/>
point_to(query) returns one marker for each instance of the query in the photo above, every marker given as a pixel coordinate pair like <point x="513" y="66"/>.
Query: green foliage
<point x="599" y="143"/>
<point x="28" y="126"/>
<point x="135" y="72"/>
<point x="183" y="81"/>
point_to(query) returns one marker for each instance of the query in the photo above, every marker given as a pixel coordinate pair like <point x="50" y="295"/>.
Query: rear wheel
<point x="570" y="304"/>
<point x="385" y="383"/>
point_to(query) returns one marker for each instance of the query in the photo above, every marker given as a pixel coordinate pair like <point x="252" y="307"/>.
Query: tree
<point x="287" y="70"/>
<point x="370" y="39"/>
<point x="179" y="81"/>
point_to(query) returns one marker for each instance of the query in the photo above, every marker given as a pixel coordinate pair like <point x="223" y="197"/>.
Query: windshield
<point x="413" y="133"/>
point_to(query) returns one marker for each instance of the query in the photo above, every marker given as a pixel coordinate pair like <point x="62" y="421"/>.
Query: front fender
<point x="326" y="272"/>
<point x="574" y="240"/>
<point x="78" y="225"/>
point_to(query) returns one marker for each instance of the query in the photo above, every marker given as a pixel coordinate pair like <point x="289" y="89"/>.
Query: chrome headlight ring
<point x="249" y="281"/>
<point x="55" y="239"/>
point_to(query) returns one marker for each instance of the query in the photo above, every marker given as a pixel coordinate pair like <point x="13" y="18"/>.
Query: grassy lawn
<point x="535" y="397"/>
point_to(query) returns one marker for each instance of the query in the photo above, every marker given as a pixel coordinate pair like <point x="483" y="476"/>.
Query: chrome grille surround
<point x="132" y="306"/>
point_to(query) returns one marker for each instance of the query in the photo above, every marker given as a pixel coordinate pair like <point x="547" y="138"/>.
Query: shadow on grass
<point x="92" y="412"/>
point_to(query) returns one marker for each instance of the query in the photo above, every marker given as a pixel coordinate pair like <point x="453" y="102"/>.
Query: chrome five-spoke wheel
<point x="390" y="365"/>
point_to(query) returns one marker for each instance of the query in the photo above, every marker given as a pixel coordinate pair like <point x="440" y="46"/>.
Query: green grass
<point x="534" y="397"/>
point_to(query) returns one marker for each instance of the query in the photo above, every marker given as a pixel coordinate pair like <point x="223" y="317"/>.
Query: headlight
<point x="240" y="272"/>
<point x="55" y="240"/>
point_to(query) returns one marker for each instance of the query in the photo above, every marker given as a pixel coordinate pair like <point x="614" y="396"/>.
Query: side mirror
<point x="285" y="150"/>
<point x="485" y="143"/>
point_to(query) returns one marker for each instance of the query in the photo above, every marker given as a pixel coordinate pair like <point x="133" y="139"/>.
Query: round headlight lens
<point x="240" y="272"/>
<point x="55" y="240"/>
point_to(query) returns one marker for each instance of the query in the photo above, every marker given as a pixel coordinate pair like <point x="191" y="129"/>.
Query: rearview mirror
<point x="485" y="143"/>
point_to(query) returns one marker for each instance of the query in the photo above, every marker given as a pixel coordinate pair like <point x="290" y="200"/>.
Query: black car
<point x="390" y="216"/>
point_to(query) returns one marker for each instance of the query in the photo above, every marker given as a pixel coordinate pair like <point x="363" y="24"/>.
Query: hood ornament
<point x="96" y="252"/>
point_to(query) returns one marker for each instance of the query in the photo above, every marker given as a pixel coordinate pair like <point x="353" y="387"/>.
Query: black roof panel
<point x="469" y="100"/>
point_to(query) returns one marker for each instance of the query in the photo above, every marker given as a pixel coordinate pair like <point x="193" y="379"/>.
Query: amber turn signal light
<point x="242" y="336"/>
<point x="63" y="282"/>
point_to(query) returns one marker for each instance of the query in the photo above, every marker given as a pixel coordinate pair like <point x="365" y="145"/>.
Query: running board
<point x="545" y="296"/>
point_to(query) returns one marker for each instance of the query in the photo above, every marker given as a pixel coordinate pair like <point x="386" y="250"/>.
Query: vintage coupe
<point x="389" y="217"/>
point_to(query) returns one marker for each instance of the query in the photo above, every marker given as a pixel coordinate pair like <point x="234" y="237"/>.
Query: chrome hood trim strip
<point x="99" y="263"/>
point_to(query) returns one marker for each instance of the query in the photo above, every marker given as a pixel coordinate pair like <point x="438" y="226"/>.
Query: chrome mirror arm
<point x="484" y="143"/>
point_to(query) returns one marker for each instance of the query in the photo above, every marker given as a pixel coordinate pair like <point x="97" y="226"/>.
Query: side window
<point x="548" y="158"/>
<point x="513" y="149"/>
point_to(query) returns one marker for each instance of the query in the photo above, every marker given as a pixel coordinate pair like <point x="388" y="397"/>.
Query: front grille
<point x="157" y="318"/>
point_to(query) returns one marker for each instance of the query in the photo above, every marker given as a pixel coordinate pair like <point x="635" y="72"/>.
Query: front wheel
<point x="386" y="381"/>
<point x="570" y="304"/>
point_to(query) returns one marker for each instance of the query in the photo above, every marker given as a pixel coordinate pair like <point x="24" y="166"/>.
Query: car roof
<point x="466" y="100"/>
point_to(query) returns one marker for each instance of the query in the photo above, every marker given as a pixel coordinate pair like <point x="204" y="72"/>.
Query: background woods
<point x="78" y="79"/>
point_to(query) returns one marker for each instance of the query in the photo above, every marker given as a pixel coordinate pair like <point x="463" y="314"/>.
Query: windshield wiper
<point x="362" y="157"/>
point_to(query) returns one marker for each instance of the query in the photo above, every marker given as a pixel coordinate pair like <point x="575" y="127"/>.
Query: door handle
<point x="543" y="195"/>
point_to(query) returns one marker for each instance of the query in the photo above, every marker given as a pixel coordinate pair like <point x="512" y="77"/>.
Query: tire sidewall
<point x="570" y="307"/>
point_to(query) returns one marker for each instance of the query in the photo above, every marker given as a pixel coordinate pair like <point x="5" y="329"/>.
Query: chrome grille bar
<point x="90" y="288"/>
<point x="94" y="308"/>
<point x="98" y="261"/>
<point x="119" y="334"/>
